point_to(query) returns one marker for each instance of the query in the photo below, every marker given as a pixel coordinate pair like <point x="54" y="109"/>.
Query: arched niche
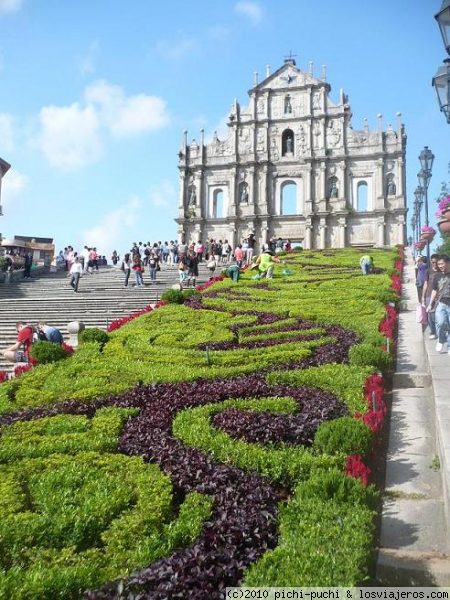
<point x="287" y="143"/>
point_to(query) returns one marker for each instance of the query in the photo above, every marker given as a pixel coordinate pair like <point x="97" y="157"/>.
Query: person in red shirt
<point x="18" y="352"/>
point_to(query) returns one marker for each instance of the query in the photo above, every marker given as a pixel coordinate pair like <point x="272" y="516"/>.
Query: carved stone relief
<point x="244" y="140"/>
<point x="302" y="141"/>
<point x="333" y="134"/>
<point x="261" y="140"/>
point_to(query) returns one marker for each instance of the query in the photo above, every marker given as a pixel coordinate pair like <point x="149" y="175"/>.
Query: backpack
<point x="41" y="335"/>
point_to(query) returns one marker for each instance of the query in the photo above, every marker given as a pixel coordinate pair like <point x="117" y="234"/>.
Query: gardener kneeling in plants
<point x="264" y="262"/>
<point x="366" y="264"/>
<point x="19" y="351"/>
<point x="233" y="271"/>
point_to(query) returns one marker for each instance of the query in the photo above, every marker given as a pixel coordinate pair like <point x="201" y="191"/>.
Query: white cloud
<point x="114" y="227"/>
<point x="251" y="10"/>
<point x="87" y="64"/>
<point x="163" y="194"/>
<point x="73" y="136"/>
<point x="6" y="132"/>
<point x="13" y="184"/>
<point x="70" y="136"/>
<point x="123" y="115"/>
<point x="9" y="6"/>
<point x="178" y="50"/>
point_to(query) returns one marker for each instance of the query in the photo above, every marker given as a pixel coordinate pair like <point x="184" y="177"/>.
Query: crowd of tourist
<point x="151" y="257"/>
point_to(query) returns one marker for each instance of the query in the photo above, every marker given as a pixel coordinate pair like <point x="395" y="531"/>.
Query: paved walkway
<point x="414" y="540"/>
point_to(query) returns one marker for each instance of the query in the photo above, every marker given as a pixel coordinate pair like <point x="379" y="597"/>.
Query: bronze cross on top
<point x="290" y="58"/>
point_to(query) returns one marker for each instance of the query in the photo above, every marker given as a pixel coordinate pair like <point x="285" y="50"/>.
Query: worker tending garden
<point x="218" y="442"/>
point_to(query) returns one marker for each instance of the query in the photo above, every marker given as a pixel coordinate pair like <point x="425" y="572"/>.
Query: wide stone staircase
<point x="101" y="298"/>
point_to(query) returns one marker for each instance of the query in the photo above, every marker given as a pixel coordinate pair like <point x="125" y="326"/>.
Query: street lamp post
<point x="418" y="203"/>
<point x="426" y="158"/>
<point x="441" y="81"/>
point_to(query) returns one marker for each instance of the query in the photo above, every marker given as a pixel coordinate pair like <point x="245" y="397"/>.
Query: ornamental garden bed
<point x="219" y="442"/>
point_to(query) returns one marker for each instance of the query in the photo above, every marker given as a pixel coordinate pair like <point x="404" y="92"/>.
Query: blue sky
<point x="95" y="94"/>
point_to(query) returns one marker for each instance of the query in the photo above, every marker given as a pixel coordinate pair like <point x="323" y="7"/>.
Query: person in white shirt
<point x="85" y="254"/>
<point x="75" y="273"/>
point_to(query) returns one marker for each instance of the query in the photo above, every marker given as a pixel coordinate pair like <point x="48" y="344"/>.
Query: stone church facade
<point x="293" y="167"/>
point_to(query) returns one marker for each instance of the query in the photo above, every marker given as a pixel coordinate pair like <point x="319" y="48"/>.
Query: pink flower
<point x="443" y="206"/>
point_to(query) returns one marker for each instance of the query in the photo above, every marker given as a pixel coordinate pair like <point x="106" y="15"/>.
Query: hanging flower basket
<point x="427" y="237"/>
<point x="420" y="245"/>
<point x="443" y="208"/>
<point x="444" y="226"/>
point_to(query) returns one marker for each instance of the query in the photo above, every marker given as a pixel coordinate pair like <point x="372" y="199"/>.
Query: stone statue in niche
<point x="261" y="106"/>
<point x="244" y="194"/>
<point x="192" y="201"/>
<point x="289" y="145"/>
<point x="391" y="188"/>
<point x="287" y="105"/>
<point x="316" y="101"/>
<point x="333" y="190"/>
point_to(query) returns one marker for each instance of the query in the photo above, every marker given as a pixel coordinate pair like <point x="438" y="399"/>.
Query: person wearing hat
<point x="265" y="264"/>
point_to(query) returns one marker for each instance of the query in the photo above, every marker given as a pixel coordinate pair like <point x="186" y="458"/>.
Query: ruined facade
<point x="293" y="167"/>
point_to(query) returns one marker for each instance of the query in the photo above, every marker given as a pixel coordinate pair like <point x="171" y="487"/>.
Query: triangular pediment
<point x="286" y="77"/>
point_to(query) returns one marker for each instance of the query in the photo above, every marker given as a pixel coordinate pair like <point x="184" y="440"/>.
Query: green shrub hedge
<point x="345" y="434"/>
<point x="48" y="352"/>
<point x="94" y="334"/>
<point x="74" y="518"/>
<point x="326" y="536"/>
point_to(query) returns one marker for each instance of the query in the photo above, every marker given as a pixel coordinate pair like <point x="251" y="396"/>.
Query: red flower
<point x="67" y="347"/>
<point x="354" y="467"/>
<point x="377" y="409"/>
<point x="388" y="326"/>
<point x="3" y="376"/>
<point x="19" y="369"/>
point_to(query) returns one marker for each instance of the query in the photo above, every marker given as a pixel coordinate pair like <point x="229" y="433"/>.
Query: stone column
<point x="233" y="189"/>
<point x="261" y="191"/>
<point x="342" y="228"/>
<point x="182" y="192"/>
<point x="307" y="242"/>
<point x="308" y="175"/>
<point x="380" y="233"/>
<point x="401" y="230"/>
<point x="200" y="207"/>
<point x="400" y="178"/>
<point x="378" y="193"/>
<point x="322" y="233"/>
